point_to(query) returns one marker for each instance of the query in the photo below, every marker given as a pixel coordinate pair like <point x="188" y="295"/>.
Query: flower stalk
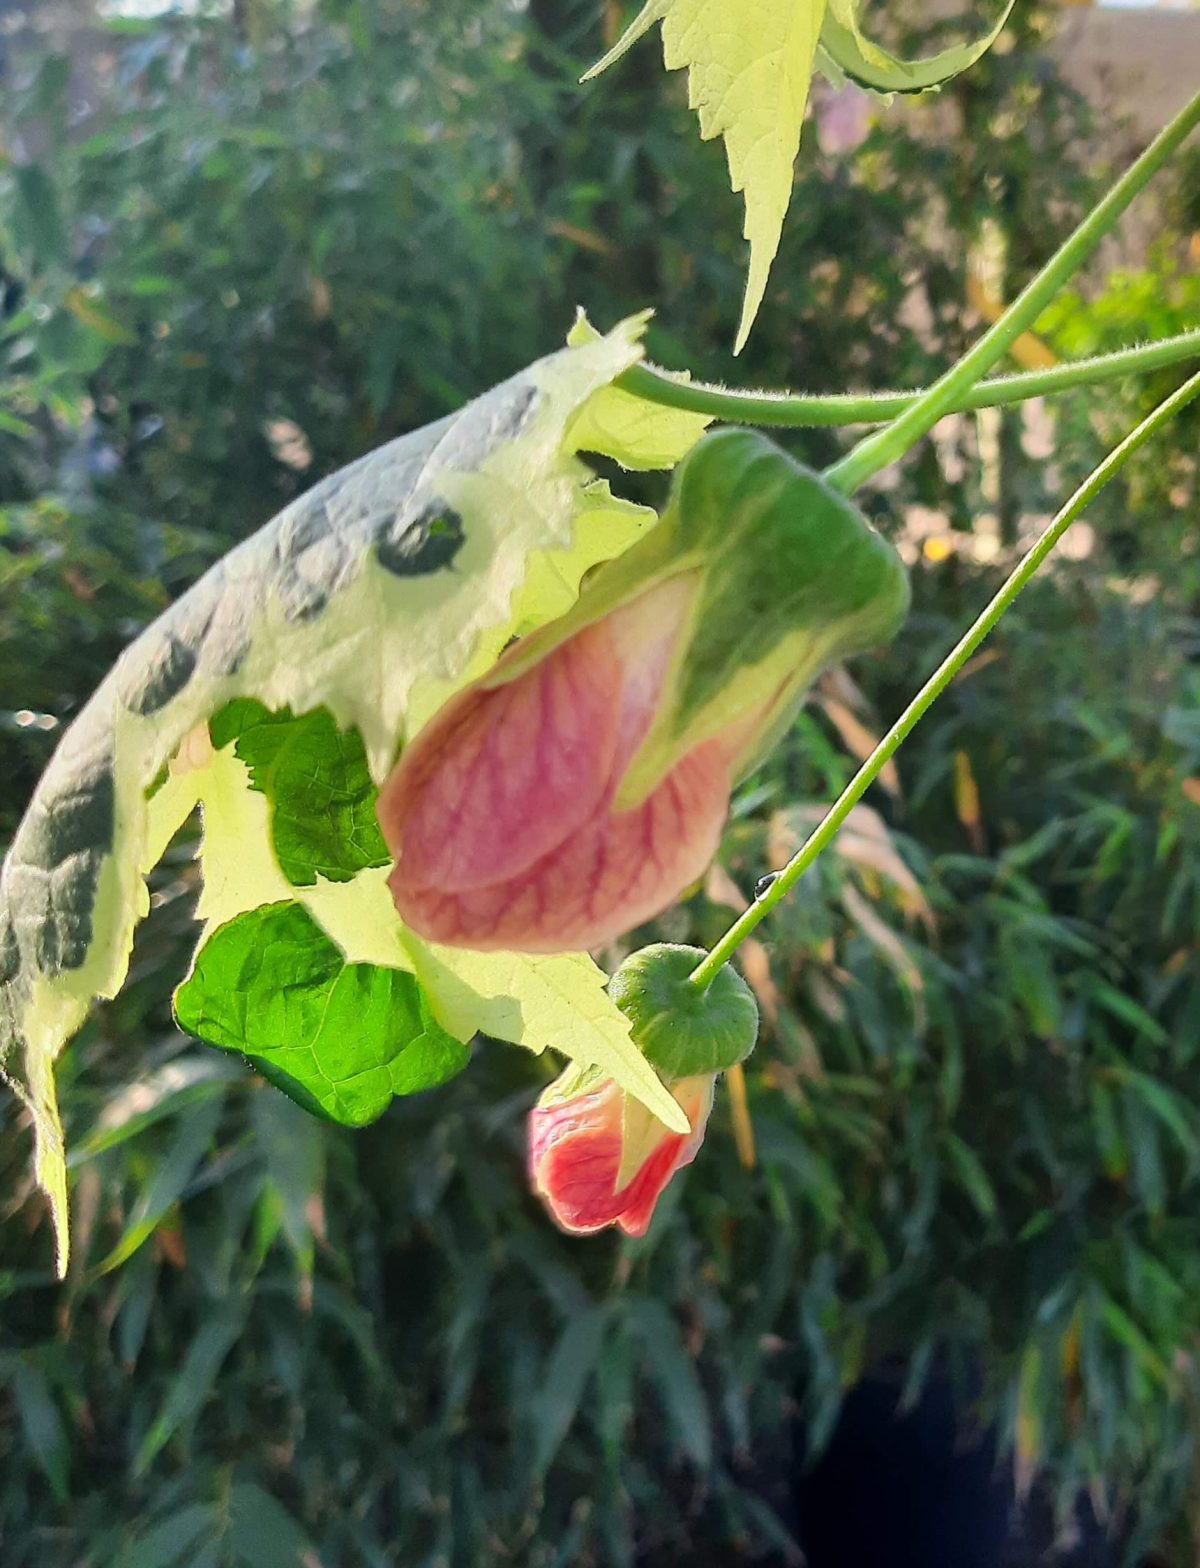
<point x="886" y="446"/>
<point x="707" y="970"/>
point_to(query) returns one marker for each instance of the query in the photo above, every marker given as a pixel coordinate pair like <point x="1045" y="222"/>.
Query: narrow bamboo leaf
<point x="971" y="1175"/>
<point x="1165" y="1104"/>
<point x="571" y="1364"/>
<point x="1126" y="1332"/>
<point x="163" y="1545"/>
<point x="293" y="1149"/>
<point x="262" y="1534"/>
<point x="668" y="1364"/>
<point x="172" y="1173"/>
<point x="172" y="1089"/>
<point x="42" y="1425"/>
<point x="194" y="1381"/>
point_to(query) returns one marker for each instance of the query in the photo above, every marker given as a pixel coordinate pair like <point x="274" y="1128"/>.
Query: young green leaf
<point x="845" y="50"/>
<point x="341" y="1039"/>
<point x="749" y="66"/>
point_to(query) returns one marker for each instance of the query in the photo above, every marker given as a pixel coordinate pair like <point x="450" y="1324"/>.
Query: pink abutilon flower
<point x="598" y="1158"/>
<point x="502" y="813"/>
<point x="577" y="788"/>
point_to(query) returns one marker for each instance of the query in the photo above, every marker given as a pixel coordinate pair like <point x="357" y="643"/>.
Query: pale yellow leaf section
<point x="632" y="431"/>
<point x="559" y="1001"/>
<point x="605" y="527"/>
<point x="241" y="872"/>
<point x="641" y="1134"/>
<point x="749" y="65"/>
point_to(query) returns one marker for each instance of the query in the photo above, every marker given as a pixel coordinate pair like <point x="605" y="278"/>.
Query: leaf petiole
<point x="798" y="411"/>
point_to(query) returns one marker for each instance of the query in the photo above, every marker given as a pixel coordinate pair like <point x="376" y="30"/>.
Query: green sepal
<point x="340" y="1039"/>
<point x="682" y="1030"/>
<point x="789" y="575"/>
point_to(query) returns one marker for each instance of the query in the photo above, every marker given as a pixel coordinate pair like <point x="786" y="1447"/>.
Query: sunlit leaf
<point x="341" y="1039"/>
<point x="749" y="65"/>
<point x="364" y="597"/>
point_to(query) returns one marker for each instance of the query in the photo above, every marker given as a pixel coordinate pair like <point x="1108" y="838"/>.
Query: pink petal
<point x="457" y="809"/>
<point x="612" y="873"/>
<point x="500" y="812"/>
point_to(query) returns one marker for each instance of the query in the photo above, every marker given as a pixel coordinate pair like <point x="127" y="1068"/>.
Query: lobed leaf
<point x="749" y="65"/>
<point x="369" y="597"/>
<point x="340" y="1039"/>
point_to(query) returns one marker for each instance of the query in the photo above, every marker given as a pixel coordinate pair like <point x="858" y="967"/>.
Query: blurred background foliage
<point x="237" y="251"/>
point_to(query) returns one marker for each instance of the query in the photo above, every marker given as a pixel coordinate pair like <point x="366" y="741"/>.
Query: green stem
<point x="887" y="445"/>
<point x="805" y="410"/>
<point x="937" y="683"/>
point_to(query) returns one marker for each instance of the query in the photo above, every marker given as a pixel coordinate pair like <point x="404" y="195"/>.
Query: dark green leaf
<point x="317" y="781"/>
<point x="571" y="1364"/>
<point x="171" y="1175"/>
<point x="669" y="1365"/>
<point x="42" y="1424"/>
<point x="164" y="1544"/>
<point x="38" y="219"/>
<point x="262" y="1534"/>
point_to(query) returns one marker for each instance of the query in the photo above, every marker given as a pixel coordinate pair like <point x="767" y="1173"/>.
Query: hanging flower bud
<point x="576" y="789"/>
<point x="599" y="1158"/>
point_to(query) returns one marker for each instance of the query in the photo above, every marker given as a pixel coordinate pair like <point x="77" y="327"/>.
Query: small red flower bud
<point x="598" y="1158"/>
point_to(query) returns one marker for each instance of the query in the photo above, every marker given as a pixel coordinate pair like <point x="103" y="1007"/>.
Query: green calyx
<point x="680" y="1029"/>
<point x="788" y="575"/>
<point x="795" y="577"/>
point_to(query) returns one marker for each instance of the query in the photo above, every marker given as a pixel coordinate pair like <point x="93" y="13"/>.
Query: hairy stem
<point x="886" y="446"/>
<point x="803" y="410"/>
<point x="937" y="683"/>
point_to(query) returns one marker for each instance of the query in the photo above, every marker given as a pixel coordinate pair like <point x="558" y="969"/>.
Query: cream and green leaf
<point x="318" y="646"/>
<point x="750" y="65"/>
